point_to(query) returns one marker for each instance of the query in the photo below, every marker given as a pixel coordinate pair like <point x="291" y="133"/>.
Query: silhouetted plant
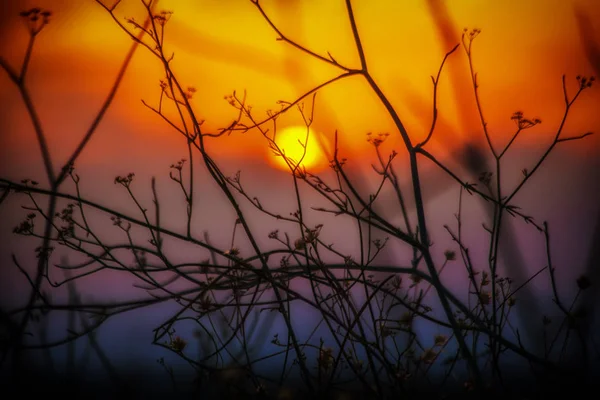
<point x="365" y="310"/>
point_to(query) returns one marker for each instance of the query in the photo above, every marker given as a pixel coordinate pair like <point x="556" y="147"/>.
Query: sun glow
<point x="298" y="144"/>
<point x="236" y="49"/>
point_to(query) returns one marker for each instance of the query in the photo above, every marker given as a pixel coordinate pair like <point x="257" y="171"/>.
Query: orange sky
<point x="225" y="45"/>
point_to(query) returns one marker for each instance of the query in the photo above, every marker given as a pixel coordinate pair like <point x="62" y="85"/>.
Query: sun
<point x="292" y="142"/>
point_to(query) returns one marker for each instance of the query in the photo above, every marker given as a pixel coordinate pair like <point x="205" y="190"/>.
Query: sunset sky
<point x="219" y="46"/>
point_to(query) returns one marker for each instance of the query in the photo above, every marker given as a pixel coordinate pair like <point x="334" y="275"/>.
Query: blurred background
<point x="224" y="45"/>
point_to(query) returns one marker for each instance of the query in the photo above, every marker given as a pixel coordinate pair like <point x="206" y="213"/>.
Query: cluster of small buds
<point x="522" y="122"/>
<point x="66" y="213"/>
<point x="334" y="166"/>
<point x="162" y="17"/>
<point x="484" y="297"/>
<point x="233" y="252"/>
<point x="403" y="375"/>
<point x="179" y="165"/>
<point x="235" y="178"/>
<point x="450" y="255"/>
<point x="117" y="221"/>
<point x="325" y="360"/>
<point x="463" y="323"/>
<point x="43" y="252"/>
<point x="379" y="244"/>
<point x="189" y="93"/>
<point x="378" y="139"/>
<point x="585" y="82"/>
<point x="133" y="22"/>
<point x="416" y="279"/>
<point x="261" y="389"/>
<point x="36" y="18"/>
<point x="34" y="14"/>
<point x="485" y="280"/>
<point x="503" y="283"/>
<point x="26" y="227"/>
<point x="125" y="180"/>
<point x="299" y="244"/>
<point x="485" y="178"/>
<point x="311" y="235"/>
<point x="511" y="301"/>
<point x="178" y="344"/>
<point x="472" y="34"/>
<point x="407" y="318"/>
<point x="429" y="356"/>
<point x="348" y="261"/>
<point x="396" y="282"/>
<point x="275" y="339"/>
<point x="26" y="182"/>
<point x="231" y="100"/>
<point x="440" y="340"/>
